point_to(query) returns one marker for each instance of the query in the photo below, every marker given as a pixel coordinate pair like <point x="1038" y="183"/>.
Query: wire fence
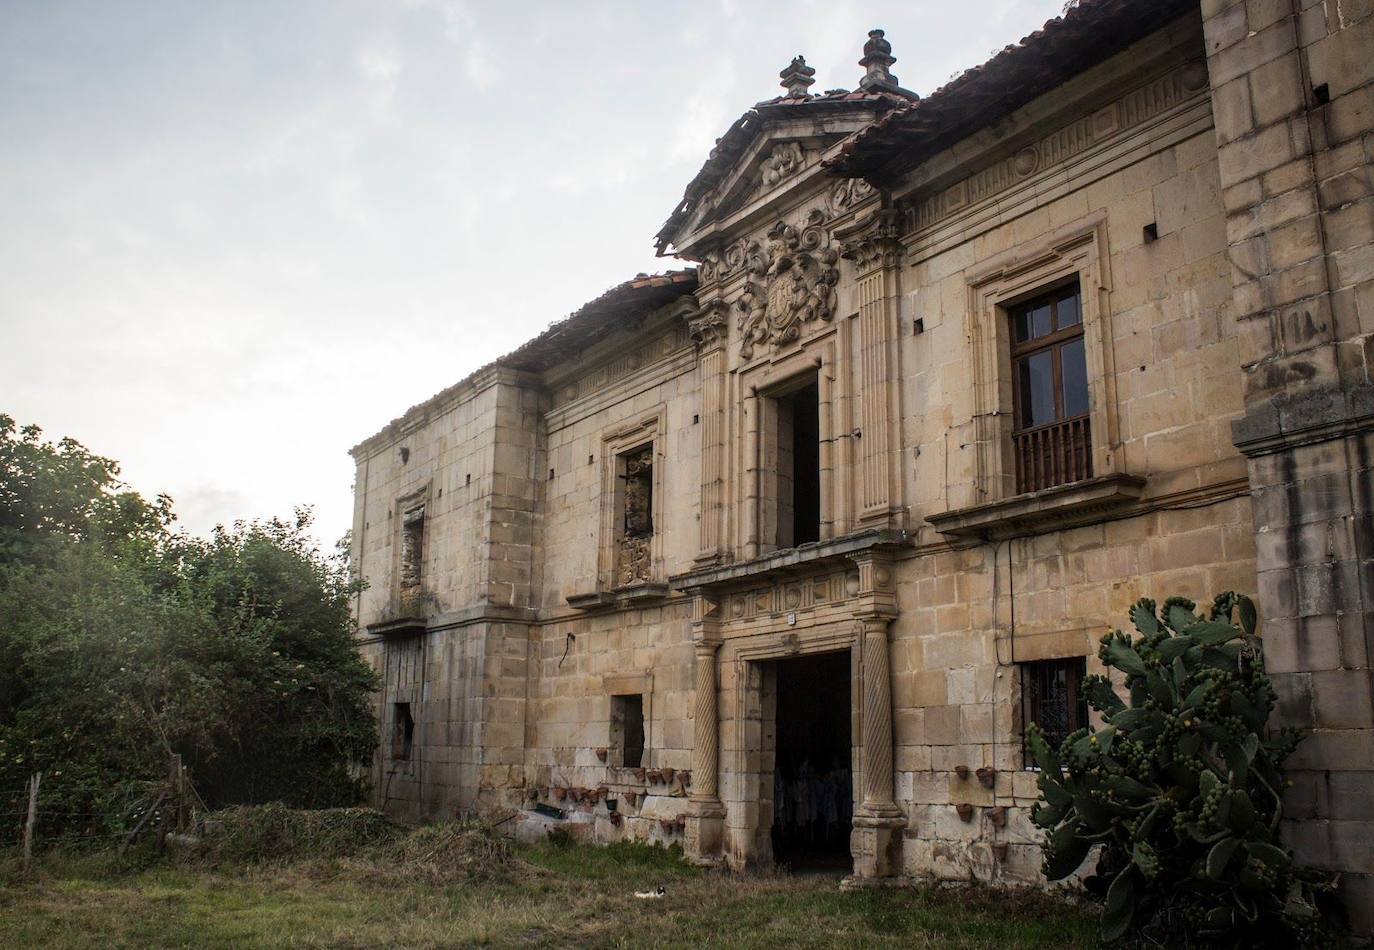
<point x="166" y="807"/>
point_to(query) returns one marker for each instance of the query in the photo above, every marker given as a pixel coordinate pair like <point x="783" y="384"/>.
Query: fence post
<point x="31" y="820"/>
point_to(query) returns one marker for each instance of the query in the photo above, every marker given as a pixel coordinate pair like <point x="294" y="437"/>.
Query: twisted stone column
<point x="705" y="814"/>
<point x="877" y="721"/>
<point x="705" y="747"/>
<point x="876" y="840"/>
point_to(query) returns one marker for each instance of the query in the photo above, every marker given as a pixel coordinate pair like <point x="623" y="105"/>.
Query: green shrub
<point x="1182" y="788"/>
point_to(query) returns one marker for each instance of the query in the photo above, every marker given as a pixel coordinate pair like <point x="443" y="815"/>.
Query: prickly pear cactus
<point x="1181" y="787"/>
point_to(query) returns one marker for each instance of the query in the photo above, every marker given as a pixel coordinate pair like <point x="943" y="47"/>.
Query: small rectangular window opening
<point x="402" y="732"/>
<point x="1052" y="697"/>
<point x="627" y="730"/>
<point x="1151" y="232"/>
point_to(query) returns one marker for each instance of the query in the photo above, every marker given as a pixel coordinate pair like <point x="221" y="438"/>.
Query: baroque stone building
<point x="776" y="556"/>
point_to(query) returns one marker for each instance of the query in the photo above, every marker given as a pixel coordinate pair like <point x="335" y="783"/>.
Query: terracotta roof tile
<point x="1086" y="34"/>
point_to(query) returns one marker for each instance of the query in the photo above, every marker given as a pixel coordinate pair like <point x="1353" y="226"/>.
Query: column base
<point x="703" y="839"/>
<point x="876" y="842"/>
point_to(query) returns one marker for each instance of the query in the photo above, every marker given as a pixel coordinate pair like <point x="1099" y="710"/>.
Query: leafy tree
<point x="1181" y="788"/>
<point x="122" y="642"/>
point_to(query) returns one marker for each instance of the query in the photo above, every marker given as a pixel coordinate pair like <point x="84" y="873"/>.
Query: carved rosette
<point x="791" y="283"/>
<point x="873" y="242"/>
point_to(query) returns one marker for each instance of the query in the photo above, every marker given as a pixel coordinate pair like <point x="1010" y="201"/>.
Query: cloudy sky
<point x="238" y="237"/>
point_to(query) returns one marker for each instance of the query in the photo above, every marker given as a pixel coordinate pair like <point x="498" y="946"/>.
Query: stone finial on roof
<point x="796" y="78"/>
<point x="877" y="58"/>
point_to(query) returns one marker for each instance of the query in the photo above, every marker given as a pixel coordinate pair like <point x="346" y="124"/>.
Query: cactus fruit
<point x="1181" y="788"/>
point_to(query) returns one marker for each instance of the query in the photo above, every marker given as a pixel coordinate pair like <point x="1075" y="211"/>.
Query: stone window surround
<point x="765" y="380"/>
<point x="416" y="498"/>
<point x="1075" y="251"/>
<point x="630" y="684"/>
<point x="647" y="428"/>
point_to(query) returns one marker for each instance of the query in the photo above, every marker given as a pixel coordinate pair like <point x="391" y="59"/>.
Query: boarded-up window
<point x="1052" y="696"/>
<point x="627" y="730"/>
<point x="402" y="732"/>
<point x="412" y="549"/>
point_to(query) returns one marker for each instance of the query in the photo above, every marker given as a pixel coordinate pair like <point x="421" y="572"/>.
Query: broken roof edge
<point x="1088" y="32"/>
<point x="642" y="293"/>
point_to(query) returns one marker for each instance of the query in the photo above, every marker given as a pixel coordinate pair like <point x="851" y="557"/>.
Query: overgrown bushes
<point x="1181" y="788"/>
<point x="123" y="641"/>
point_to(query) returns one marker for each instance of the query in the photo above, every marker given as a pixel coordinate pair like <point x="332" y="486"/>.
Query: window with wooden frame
<point x="1052" y="697"/>
<point x="1052" y="436"/>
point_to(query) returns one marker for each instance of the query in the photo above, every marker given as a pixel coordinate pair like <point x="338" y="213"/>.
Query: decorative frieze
<point x="789" y="596"/>
<point x="1130" y="110"/>
<point x="632" y="361"/>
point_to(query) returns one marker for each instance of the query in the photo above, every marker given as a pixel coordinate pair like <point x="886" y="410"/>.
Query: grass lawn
<point x="553" y="896"/>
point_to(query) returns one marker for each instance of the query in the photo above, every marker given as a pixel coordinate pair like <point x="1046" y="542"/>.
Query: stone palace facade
<point x="776" y="556"/>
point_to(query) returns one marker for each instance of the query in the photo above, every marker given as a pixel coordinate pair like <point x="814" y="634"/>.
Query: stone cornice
<point x="804" y="559"/>
<point x="420" y="415"/>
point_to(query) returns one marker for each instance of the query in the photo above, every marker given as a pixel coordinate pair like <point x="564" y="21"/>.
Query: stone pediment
<point x="773" y="149"/>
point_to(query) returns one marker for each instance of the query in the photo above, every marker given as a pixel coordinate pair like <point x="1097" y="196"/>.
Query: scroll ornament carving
<point x="791" y="283"/>
<point x="785" y="160"/>
<point x="723" y="264"/>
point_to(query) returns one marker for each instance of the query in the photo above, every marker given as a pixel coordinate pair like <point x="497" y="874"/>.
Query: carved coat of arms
<point x="791" y="283"/>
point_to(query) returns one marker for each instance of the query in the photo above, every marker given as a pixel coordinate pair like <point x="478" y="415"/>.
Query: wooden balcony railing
<point x="1054" y="454"/>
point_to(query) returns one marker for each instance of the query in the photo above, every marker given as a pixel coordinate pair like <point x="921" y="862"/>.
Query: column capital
<point x="709" y="326"/>
<point x="706" y="620"/>
<point x="876" y="597"/>
<point x="871" y="242"/>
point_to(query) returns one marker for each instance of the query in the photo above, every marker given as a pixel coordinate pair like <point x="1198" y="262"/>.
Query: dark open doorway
<point x="812" y="783"/>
